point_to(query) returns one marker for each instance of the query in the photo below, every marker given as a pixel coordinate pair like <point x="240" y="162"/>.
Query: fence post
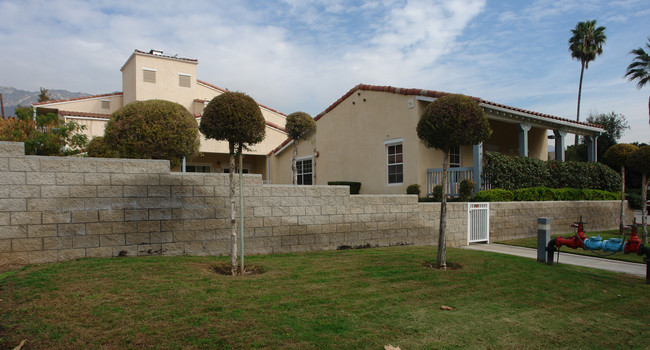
<point x="543" y="237"/>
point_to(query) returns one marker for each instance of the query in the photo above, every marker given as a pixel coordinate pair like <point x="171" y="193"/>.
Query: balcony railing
<point x="454" y="177"/>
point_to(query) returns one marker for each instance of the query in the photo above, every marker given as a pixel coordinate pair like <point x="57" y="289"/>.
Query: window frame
<point x="387" y="145"/>
<point x="300" y="176"/>
<point x="189" y="80"/>
<point x="460" y="159"/>
<point x="144" y="77"/>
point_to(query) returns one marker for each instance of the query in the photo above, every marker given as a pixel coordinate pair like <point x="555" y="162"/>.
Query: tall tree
<point x="585" y="44"/>
<point x="446" y="123"/>
<point x="44" y="95"/>
<point x="46" y="135"/>
<point x="639" y="69"/>
<point x="299" y="126"/>
<point x="234" y="117"/>
<point x="152" y="129"/>
<point x="616" y="156"/>
<point x="640" y="161"/>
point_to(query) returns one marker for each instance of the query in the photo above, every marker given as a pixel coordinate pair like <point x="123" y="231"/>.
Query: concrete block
<point x="40" y="178"/>
<point x="29" y="163"/>
<point x="137" y="238"/>
<point x="41" y="204"/>
<point x="122" y="179"/>
<point x="13" y="204"/>
<point x="67" y="179"/>
<point x="96" y="179"/>
<point x="136" y="214"/>
<point x="193" y="225"/>
<point x="17" y="231"/>
<point x="5" y="219"/>
<point x="111" y="215"/>
<point x="85" y="241"/>
<point x="159" y="191"/>
<point x="25" y="218"/>
<point x="147" y="179"/>
<point x="173" y="248"/>
<point x="41" y="257"/>
<point x="70" y="254"/>
<point x="125" y="227"/>
<point x="125" y="251"/>
<point x="55" y="191"/>
<point x="85" y="216"/>
<point x="112" y="240"/>
<point x="83" y="191"/>
<point x="109" y="165"/>
<point x="171" y="225"/>
<point x="146" y="166"/>
<point x="182" y="191"/>
<point x="110" y="191"/>
<point x="124" y="203"/>
<point x="83" y="165"/>
<point x="149" y="226"/>
<point x="12" y="178"/>
<point x="207" y="235"/>
<point x="98" y="203"/>
<point x="161" y="237"/>
<point x="71" y="230"/>
<point x="203" y="191"/>
<point x="26" y="244"/>
<point x="55" y="243"/>
<point x="159" y="214"/>
<point x="50" y="230"/>
<point x="184" y="236"/>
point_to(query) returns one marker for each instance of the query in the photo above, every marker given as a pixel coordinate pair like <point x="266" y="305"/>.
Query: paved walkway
<point x="571" y="259"/>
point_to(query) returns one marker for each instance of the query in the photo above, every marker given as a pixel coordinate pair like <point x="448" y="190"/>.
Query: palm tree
<point x="639" y="69"/>
<point x="585" y="44"/>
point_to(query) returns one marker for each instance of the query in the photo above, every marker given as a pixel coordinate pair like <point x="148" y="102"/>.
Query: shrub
<point x="466" y="190"/>
<point x="152" y="129"/>
<point x="569" y="194"/>
<point x="355" y="187"/>
<point x="534" y="194"/>
<point x="99" y="149"/>
<point x="413" y="189"/>
<point x="437" y="193"/>
<point x="495" y="195"/>
<point x="635" y="200"/>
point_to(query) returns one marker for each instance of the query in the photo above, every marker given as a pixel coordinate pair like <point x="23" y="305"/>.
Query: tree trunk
<point x="582" y="72"/>
<point x="621" y="226"/>
<point x="233" y="221"/>
<point x="644" y="208"/>
<point x="294" y="172"/>
<point x="441" y="261"/>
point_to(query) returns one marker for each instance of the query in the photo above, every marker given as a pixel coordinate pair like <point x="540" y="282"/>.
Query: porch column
<point x="478" y="165"/>
<point x="592" y="148"/>
<point x="523" y="138"/>
<point x="559" y="144"/>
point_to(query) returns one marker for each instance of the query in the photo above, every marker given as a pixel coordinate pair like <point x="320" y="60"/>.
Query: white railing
<point x="454" y="177"/>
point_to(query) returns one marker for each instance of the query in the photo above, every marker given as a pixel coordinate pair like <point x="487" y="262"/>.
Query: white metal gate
<point x="478" y="222"/>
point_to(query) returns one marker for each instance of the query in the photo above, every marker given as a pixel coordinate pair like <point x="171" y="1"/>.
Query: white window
<point x="148" y="75"/>
<point x="395" y="161"/>
<point x="305" y="172"/>
<point x="106" y="104"/>
<point x="454" y="157"/>
<point x="191" y="168"/>
<point x="184" y="80"/>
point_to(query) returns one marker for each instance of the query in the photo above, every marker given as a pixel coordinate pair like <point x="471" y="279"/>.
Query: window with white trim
<point x="454" y="157"/>
<point x="305" y="172"/>
<point x="148" y="75"/>
<point x="395" y="163"/>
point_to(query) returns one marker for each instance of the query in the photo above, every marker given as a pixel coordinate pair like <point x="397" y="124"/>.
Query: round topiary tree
<point x="449" y="122"/>
<point x="234" y="117"/>
<point x="299" y="126"/>
<point x="153" y="129"/>
<point x="99" y="149"/>
<point x="616" y="156"/>
<point x="640" y="162"/>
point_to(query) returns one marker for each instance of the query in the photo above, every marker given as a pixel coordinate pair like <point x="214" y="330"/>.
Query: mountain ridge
<point x="13" y="97"/>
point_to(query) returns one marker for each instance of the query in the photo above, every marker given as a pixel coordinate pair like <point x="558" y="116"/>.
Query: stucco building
<point x="152" y="75"/>
<point x="369" y="136"/>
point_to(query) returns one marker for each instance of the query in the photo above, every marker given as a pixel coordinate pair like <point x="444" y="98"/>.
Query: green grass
<point x="354" y="299"/>
<point x="531" y="242"/>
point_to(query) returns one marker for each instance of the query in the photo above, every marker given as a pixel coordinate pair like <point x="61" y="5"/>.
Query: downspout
<point x="268" y="170"/>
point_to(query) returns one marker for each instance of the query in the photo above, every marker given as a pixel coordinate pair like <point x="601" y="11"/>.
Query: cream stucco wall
<point x="166" y="86"/>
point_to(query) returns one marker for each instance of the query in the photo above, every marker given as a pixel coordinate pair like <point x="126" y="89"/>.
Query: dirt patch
<point x="450" y="265"/>
<point x="224" y="269"/>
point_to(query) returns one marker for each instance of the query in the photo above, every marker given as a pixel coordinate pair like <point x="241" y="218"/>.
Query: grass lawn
<point x="353" y="299"/>
<point x="531" y="242"/>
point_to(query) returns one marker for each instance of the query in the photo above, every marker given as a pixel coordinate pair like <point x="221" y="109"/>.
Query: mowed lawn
<point x="352" y="299"/>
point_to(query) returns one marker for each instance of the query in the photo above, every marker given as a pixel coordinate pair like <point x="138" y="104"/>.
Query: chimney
<point x="156" y="52"/>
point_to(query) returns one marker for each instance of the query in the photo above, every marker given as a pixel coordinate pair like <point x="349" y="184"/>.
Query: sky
<point x="302" y="55"/>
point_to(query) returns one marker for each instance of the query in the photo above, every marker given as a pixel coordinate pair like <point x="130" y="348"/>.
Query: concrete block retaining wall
<point x="62" y="208"/>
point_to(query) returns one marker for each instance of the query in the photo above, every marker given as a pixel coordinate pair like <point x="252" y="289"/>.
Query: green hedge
<point x="354" y="186"/>
<point x="512" y="173"/>
<point x="544" y="194"/>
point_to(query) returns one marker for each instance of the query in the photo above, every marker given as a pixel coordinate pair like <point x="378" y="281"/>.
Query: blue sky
<point x="303" y="55"/>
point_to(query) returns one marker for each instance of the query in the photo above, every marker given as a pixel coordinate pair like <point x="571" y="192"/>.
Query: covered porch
<point x="516" y="133"/>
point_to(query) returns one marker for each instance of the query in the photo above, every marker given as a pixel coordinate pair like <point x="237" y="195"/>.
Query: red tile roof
<point x="427" y="93"/>
<point x="77" y="98"/>
<point x="84" y="115"/>
<point x="436" y="94"/>
<point x="224" y="90"/>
